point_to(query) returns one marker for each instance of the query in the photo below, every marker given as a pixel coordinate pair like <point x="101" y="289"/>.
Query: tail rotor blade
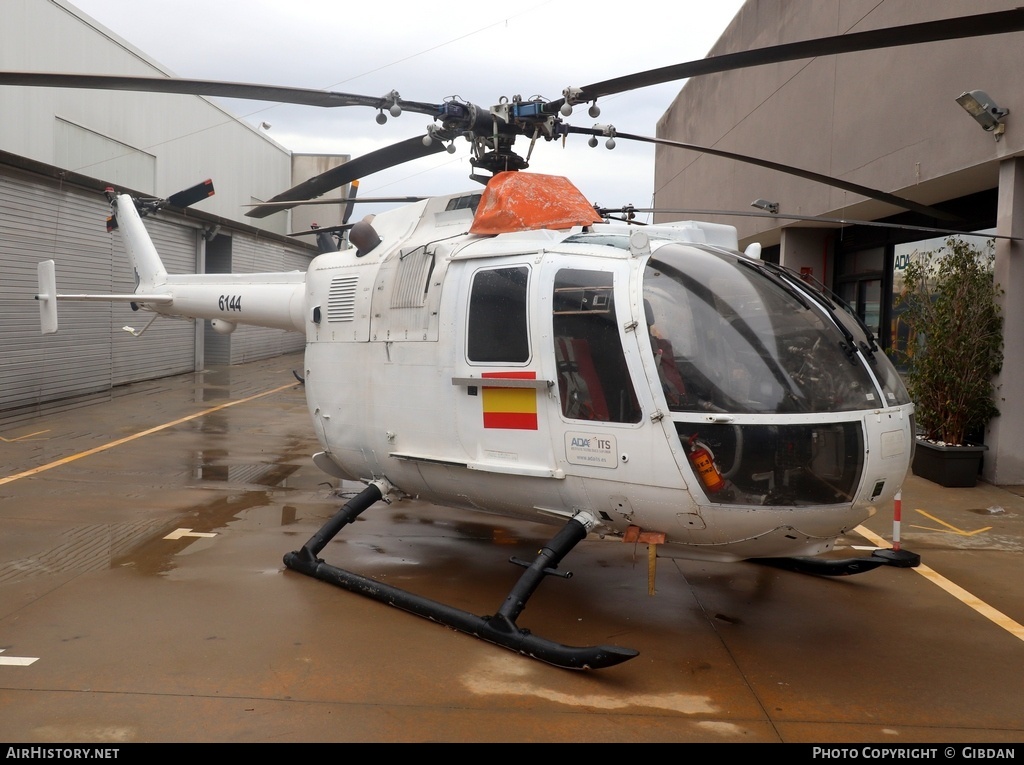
<point x="353" y="190"/>
<point x="190" y="196"/>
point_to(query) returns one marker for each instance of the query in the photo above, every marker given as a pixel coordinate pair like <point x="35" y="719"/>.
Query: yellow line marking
<point x="954" y="529"/>
<point x="22" y="438"/>
<point x="127" y="439"/>
<point x="996" y="617"/>
<point x="872" y="537"/>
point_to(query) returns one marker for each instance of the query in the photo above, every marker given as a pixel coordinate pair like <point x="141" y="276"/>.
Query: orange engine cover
<point x="515" y="201"/>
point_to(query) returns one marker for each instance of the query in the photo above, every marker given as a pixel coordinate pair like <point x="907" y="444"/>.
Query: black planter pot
<point x="951" y="466"/>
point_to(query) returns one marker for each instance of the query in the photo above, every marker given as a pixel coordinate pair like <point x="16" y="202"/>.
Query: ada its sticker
<point x="594" y="449"/>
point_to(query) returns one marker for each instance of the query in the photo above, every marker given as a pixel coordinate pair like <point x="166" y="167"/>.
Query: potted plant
<point x="954" y="348"/>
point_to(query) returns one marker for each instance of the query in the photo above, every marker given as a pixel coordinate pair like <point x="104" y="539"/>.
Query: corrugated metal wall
<point x="152" y="143"/>
<point x="39" y="221"/>
<point x="251" y="256"/>
<point x="169" y="346"/>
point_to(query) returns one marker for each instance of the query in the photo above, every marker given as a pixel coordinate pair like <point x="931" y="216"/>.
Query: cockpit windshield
<point x="731" y="336"/>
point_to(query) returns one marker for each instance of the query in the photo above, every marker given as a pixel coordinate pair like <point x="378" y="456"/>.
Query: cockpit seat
<point x="671" y="379"/>
<point x="579" y="386"/>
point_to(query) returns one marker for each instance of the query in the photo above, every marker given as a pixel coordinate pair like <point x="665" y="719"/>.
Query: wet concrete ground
<point x="117" y="626"/>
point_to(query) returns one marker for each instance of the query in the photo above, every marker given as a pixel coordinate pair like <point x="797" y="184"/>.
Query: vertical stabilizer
<point x="149" y="269"/>
<point x="47" y="296"/>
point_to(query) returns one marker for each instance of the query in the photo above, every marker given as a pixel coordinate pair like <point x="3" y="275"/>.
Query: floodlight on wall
<point x="986" y="113"/>
<point x="764" y="204"/>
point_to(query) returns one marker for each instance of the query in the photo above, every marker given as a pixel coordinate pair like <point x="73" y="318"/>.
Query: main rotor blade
<point x="325" y="230"/>
<point x="856" y="188"/>
<point x="978" y="25"/>
<point x="360" y="167"/>
<point x="348" y="201"/>
<point x="252" y="92"/>
<point x="630" y="210"/>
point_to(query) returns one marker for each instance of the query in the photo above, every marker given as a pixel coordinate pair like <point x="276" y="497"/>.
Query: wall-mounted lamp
<point x="764" y="204"/>
<point x="986" y="113"/>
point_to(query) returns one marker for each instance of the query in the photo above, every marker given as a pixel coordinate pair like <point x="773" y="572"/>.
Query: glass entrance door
<point x="864" y="295"/>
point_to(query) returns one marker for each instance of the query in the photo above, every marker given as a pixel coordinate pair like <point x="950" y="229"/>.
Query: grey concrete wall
<point x="884" y="119"/>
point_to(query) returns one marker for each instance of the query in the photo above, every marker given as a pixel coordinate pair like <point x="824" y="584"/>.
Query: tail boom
<point x="274" y="300"/>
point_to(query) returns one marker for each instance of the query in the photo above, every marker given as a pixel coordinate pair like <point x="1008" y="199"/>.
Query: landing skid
<point x="844" y="566"/>
<point x="500" y="629"/>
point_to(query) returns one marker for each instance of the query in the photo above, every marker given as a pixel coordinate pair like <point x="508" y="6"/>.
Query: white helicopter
<point x="512" y="352"/>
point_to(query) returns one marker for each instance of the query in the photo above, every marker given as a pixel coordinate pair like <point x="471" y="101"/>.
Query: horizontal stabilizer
<point x="48" y="297"/>
<point x="131" y="297"/>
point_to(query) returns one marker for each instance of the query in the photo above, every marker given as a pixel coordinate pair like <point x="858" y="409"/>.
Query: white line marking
<point x="181" y="533"/>
<point x="16" y="661"/>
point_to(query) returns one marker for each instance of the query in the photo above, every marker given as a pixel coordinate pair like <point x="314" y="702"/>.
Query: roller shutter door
<point x="251" y="256"/>
<point x="41" y="220"/>
<point x="168" y="347"/>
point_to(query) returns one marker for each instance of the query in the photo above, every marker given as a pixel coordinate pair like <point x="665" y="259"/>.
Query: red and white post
<point x="897" y="512"/>
<point x="896" y="556"/>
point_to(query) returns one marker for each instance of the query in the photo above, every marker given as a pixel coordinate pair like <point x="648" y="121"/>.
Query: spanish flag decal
<point x="510" y="408"/>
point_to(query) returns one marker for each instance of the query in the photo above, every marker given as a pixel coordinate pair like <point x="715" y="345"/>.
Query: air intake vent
<point x="341" y="302"/>
<point x="410" y="289"/>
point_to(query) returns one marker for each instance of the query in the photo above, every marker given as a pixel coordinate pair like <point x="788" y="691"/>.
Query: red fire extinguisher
<point x="704" y="463"/>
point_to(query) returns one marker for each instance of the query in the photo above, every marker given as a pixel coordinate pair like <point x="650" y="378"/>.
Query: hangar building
<point x="59" y="149"/>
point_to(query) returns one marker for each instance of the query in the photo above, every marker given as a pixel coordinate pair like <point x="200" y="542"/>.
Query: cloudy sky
<point x="427" y="51"/>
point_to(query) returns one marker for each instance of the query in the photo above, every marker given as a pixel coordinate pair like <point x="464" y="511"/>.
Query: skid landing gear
<point x="501" y="628"/>
<point x="846" y="566"/>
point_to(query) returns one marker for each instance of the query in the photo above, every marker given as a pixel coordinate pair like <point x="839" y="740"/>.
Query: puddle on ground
<point x="223" y="465"/>
<point x="513" y="676"/>
<point x="142" y="545"/>
<point x="993" y="510"/>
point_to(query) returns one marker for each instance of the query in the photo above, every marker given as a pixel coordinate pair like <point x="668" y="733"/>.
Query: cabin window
<point x="497" y="332"/>
<point x="776" y="464"/>
<point x="593" y="380"/>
